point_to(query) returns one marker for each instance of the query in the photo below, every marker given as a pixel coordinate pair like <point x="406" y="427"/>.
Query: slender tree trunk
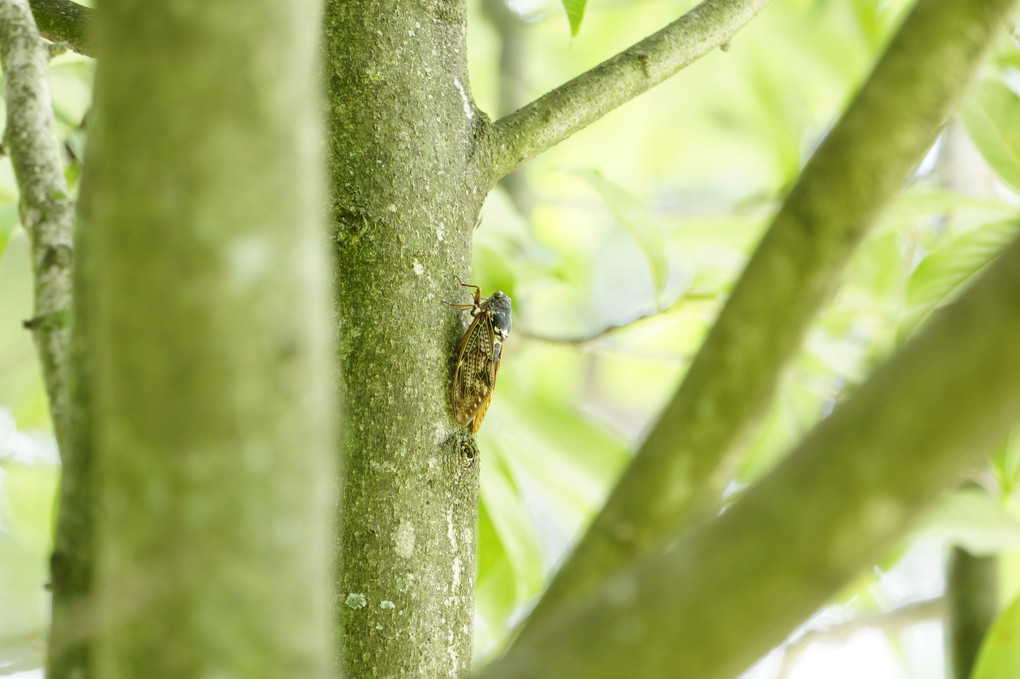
<point x="512" y="34"/>
<point x="402" y="138"/>
<point x="972" y="593"/>
<point x="972" y="582"/>
<point x="206" y="283"/>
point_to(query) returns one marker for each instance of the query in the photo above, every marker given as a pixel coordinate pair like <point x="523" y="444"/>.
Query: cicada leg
<point x="478" y="290"/>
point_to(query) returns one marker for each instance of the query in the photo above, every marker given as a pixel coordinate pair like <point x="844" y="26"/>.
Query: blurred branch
<point x="513" y="49"/>
<point x="971" y="581"/>
<point x="972" y="589"/>
<point x="65" y="21"/>
<point x="889" y="622"/>
<point x="731" y="588"/>
<point x="687" y="459"/>
<point x="558" y="114"/>
<point x="584" y="338"/>
<point x="47" y="213"/>
<point x="1013" y="33"/>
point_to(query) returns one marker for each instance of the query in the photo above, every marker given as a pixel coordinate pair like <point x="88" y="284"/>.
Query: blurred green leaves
<point x="974" y="519"/>
<point x="634" y="217"/>
<point x="991" y="118"/>
<point x="950" y="265"/>
<point x="28" y="480"/>
<point x="675" y="191"/>
<point x="999" y="657"/>
<point x="8" y="220"/>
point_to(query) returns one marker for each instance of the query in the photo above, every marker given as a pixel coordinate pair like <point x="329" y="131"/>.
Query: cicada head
<point x="499" y="303"/>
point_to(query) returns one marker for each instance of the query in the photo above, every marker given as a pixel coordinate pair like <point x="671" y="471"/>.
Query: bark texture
<point x="402" y="136"/>
<point x="67" y="22"/>
<point x="210" y="334"/>
<point x="47" y="213"/>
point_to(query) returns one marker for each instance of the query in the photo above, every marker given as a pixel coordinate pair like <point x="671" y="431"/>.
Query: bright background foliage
<point x="644" y="221"/>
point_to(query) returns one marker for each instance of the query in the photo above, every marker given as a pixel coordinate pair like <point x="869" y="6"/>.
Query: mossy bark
<point x="402" y="137"/>
<point x="47" y="213"/>
<point x="65" y="21"/>
<point x="210" y="339"/>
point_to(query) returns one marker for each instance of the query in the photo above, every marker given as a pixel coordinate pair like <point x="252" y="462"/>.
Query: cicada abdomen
<point x="478" y="355"/>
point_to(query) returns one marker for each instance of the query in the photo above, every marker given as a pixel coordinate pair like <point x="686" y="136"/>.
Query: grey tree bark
<point x="47" y="214"/>
<point x="403" y="131"/>
<point x="411" y="160"/>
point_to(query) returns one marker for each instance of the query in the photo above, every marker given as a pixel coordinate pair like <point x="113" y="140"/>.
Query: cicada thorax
<point x="478" y="355"/>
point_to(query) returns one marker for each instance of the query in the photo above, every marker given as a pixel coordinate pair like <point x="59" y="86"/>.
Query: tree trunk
<point x="402" y="138"/>
<point x="972" y="592"/>
<point x="206" y="283"/>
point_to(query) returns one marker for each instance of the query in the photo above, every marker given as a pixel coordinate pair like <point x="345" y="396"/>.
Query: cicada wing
<point x="474" y="376"/>
<point x="480" y="415"/>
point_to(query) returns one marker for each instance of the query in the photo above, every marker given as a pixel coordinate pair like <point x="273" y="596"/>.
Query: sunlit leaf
<point x="1005" y="461"/>
<point x="975" y="520"/>
<point x="999" y="657"/>
<point x="633" y="216"/>
<point x="506" y="510"/>
<point x="495" y="585"/>
<point x="943" y="272"/>
<point x="990" y="118"/>
<point x="575" y="12"/>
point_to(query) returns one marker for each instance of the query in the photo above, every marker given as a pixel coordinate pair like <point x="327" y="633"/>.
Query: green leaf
<point x="990" y="119"/>
<point x="495" y="587"/>
<point x="575" y="12"/>
<point x="1005" y="461"/>
<point x="634" y="218"/>
<point x="943" y="272"/>
<point x="974" y="520"/>
<point x="999" y="657"/>
<point x="505" y="508"/>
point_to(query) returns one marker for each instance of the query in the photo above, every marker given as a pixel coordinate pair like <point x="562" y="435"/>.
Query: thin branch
<point x="584" y="337"/>
<point x="591" y="336"/>
<point x="733" y="587"/>
<point x="65" y="21"/>
<point x="1013" y="33"/>
<point x="47" y="213"/>
<point x="687" y="459"/>
<point x="895" y="620"/>
<point x="574" y="105"/>
<point x="972" y="593"/>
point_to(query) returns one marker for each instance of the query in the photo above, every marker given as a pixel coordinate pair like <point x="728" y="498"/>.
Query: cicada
<point x="478" y="354"/>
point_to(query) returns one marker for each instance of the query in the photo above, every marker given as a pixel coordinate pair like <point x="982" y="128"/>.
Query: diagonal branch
<point x="735" y="586"/>
<point x="574" y="105"/>
<point x="65" y="21"/>
<point x="684" y="464"/>
<point x="47" y="213"/>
